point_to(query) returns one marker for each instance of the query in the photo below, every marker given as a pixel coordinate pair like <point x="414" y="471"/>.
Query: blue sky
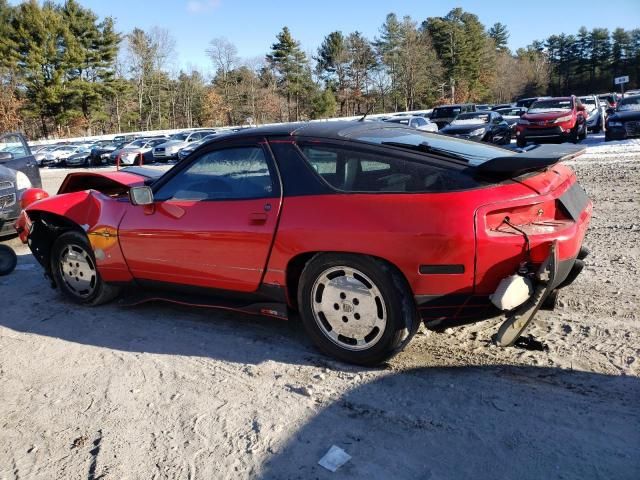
<point x="252" y="24"/>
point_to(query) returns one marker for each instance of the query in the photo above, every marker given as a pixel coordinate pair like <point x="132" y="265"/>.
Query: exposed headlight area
<point x="566" y="118"/>
<point x="477" y="132"/>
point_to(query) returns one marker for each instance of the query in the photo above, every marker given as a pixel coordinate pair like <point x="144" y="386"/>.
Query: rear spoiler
<point x="537" y="158"/>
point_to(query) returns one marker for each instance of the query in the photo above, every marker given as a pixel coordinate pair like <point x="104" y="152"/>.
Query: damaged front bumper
<point x="552" y="275"/>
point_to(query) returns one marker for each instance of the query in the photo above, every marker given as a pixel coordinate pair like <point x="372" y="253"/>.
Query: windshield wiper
<point x="424" y="147"/>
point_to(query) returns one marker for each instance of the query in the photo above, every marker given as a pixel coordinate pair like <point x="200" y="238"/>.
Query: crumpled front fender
<point x="94" y="213"/>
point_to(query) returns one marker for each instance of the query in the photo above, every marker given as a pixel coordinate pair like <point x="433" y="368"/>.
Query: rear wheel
<point x="521" y="142"/>
<point x="356" y="308"/>
<point x="74" y="269"/>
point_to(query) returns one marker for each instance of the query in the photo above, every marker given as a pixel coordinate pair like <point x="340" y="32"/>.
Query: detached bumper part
<point x="518" y="320"/>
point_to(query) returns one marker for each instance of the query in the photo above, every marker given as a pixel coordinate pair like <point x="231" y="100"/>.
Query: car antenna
<point x="372" y="106"/>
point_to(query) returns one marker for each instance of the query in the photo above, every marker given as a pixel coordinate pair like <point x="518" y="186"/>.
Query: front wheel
<point x="74" y="269"/>
<point x="356" y="308"/>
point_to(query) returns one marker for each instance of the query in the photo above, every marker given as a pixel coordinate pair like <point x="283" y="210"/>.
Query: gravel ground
<point x="159" y="391"/>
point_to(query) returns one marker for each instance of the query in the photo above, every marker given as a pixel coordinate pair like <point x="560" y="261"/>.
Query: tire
<point x="584" y="134"/>
<point x="574" y="136"/>
<point x="336" y="289"/>
<point x="521" y="142"/>
<point x="82" y="283"/>
<point x="8" y="260"/>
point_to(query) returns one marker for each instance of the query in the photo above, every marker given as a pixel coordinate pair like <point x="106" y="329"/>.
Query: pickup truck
<point x="18" y="172"/>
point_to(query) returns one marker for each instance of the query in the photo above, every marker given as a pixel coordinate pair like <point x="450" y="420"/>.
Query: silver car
<point x="419" y="123"/>
<point x="169" y="149"/>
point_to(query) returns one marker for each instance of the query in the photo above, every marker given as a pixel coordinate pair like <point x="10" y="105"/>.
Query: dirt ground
<point x="159" y="391"/>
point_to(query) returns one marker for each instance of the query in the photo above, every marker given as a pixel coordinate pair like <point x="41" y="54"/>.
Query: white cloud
<point x="201" y="6"/>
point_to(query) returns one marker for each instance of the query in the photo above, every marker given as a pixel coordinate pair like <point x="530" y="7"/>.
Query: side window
<point x="12" y="147"/>
<point x="496" y="118"/>
<point x="354" y="170"/>
<point x="231" y="173"/>
<point x="193" y="137"/>
<point x="420" y="122"/>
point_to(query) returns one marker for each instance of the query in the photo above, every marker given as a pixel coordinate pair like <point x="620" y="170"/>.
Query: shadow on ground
<point x="474" y="423"/>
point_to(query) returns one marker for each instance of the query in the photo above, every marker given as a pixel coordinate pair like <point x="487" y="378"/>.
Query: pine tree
<point x="291" y="66"/>
<point x="500" y="35"/>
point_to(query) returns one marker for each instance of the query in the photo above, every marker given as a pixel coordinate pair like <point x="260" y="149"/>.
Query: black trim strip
<point x="441" y="269"/>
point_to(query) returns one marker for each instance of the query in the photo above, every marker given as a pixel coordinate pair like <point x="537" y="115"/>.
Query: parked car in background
<point x="624" y="121"/>
<point x="502" y="105"/>
<point x="553" y="119"/>
<point x="82" y="158"/>
<point x="610" y="98"/>
<point x="263" y="222"/>
<point x="18" y="172"/>
<point x="58" y="156"/>
<point x="595" y="112"/>
<point x="419" y="123"/>
<point x="527" y="102"/>
<point x="483" y="106"/>
<point x="130" y="154"/>
<point x="186" y="151"/>
<point x="128" y="137"/>
<point x="511" y="115"/>
<point x="482" y="126"/>
<point x="42" y="155"/>
<point x="100" y="155"/>
<point x="444" y="114"/>
<point x="169" y="149"/>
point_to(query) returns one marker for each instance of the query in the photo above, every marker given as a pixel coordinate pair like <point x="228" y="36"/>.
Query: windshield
<point x="551" y="105"/>
<point x="474" y="153"/>
<point x="629" y="103"/>
<point x="474" y="118"/>
<point x="179" y="136"/>
<point x="589" y="103"/>
<point x="445" y="112"/>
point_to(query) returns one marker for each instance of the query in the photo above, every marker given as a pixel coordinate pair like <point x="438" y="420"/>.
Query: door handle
<point x="257" y="218"/>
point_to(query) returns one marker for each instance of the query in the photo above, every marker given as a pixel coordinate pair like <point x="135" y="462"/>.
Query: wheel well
<point x="47" y="227"/>
<point x="296" y="266"/>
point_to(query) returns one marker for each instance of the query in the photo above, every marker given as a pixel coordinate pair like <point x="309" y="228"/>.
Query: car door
<point x="16" y="155"/>
<point x="211" y="224"/>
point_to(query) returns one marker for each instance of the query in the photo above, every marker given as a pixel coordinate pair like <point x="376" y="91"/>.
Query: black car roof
<point x="339" y="129"/>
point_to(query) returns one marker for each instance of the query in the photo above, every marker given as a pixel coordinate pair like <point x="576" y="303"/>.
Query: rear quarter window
<point x="351" y="169"/>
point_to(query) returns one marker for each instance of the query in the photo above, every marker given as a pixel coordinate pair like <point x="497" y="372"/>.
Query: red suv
<point x="558" y="118"/>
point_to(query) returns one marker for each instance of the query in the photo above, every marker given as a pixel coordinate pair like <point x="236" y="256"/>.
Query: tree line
<point x="64" y="71"/>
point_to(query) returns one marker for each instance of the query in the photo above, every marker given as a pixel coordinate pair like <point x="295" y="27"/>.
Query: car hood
<point x="466" y="128"/>
<point x="128" y="177"/>
<point x="546" y="116"/>
<point x="172" y="143"/>
<point x="79" y="155"/>
<point x="625" y="116"/>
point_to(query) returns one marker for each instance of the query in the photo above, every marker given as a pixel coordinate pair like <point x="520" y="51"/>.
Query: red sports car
<point x="364" y="228"/>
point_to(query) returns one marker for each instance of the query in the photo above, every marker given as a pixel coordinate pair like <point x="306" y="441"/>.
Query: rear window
<point x="355" y="170"/>
<point x="474" y="153"/>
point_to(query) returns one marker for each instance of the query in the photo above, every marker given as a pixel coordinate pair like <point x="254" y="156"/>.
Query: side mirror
<point x="141" y="195"/>
<point x="6" y="156"/>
